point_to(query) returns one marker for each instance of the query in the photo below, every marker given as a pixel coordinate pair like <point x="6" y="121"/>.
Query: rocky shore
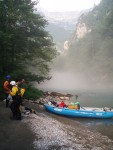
<point x="44" y="131"/>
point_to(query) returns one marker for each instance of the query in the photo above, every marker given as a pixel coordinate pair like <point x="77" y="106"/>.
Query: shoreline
<point x="44" y="131"/>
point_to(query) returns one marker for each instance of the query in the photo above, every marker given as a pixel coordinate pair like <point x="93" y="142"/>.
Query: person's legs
<point x="7" y="101"/>
<point x="18" y="112"/>
<point x="13" y="107"/>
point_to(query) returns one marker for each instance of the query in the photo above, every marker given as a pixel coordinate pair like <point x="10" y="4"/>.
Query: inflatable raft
<point x="81" y="113"/>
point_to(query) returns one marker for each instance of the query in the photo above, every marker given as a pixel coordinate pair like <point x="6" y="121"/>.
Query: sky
<point x="67" y="5"/>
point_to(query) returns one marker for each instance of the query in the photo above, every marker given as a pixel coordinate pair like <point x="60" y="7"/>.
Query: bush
<point x="32" y="93"/>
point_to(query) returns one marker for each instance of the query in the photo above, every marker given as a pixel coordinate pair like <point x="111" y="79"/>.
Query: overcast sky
<point x="67" y="5"/>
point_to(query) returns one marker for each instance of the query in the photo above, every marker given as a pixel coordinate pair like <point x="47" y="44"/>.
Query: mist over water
<point x="71" y="82"/>
<point x="63" y="81"/>
<point x="90" y="94"/>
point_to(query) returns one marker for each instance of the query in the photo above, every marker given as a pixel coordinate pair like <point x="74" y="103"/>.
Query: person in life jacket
<point x="74" y="105"/>
<point x="21" y="83"/>
<point x="17" y="94"/>
<point x="7" y="88"/>
<point x="62" y="104"/>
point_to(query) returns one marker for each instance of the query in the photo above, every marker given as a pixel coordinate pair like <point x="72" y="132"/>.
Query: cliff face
<point x="81" y="30"/>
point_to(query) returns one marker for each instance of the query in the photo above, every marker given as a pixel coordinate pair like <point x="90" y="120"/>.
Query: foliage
<point x="26" y="48"/>
<point x="32" y="93"/>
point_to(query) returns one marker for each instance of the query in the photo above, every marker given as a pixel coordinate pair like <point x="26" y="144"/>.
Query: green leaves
<point x="24" y="42"/>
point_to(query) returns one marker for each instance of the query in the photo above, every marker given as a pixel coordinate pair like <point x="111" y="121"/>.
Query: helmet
<point x="8" y="77"/>
<point x="13" y="83"/>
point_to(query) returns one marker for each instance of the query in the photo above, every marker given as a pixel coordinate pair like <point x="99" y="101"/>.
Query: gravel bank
<point x="42" y="131"/>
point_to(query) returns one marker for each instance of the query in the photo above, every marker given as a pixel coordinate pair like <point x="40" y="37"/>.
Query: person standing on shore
<point x="21" y="85"/>
<point x="7" y="88"/>
<point x="17" y="94"/>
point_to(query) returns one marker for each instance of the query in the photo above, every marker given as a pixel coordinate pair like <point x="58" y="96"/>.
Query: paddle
<point x="83" y="108"/>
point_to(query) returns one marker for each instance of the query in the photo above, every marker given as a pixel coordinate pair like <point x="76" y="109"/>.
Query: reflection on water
<point x="103" y="126"/>
<point x="95" y="122"/>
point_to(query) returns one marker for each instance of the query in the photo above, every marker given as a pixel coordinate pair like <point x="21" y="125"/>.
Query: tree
<point x="24" y="44"/>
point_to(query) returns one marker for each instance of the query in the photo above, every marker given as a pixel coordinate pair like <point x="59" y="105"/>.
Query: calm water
<point x="95" y="99"/>
<point x="103" y="126"/>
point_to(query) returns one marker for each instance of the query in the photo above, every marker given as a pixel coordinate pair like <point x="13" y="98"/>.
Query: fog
<point x="73" y="75"/>
<point x="69" y="82"/>
<point x="63" y="81"/>
<point x="87" y="61"/>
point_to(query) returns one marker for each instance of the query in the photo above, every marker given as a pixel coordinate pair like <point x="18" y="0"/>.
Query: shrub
<point x="32" y="93"/>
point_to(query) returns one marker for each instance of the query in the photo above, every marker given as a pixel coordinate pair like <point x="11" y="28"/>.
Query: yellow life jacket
<point x="73" y="107"/>
<point x="15" y="90"/>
